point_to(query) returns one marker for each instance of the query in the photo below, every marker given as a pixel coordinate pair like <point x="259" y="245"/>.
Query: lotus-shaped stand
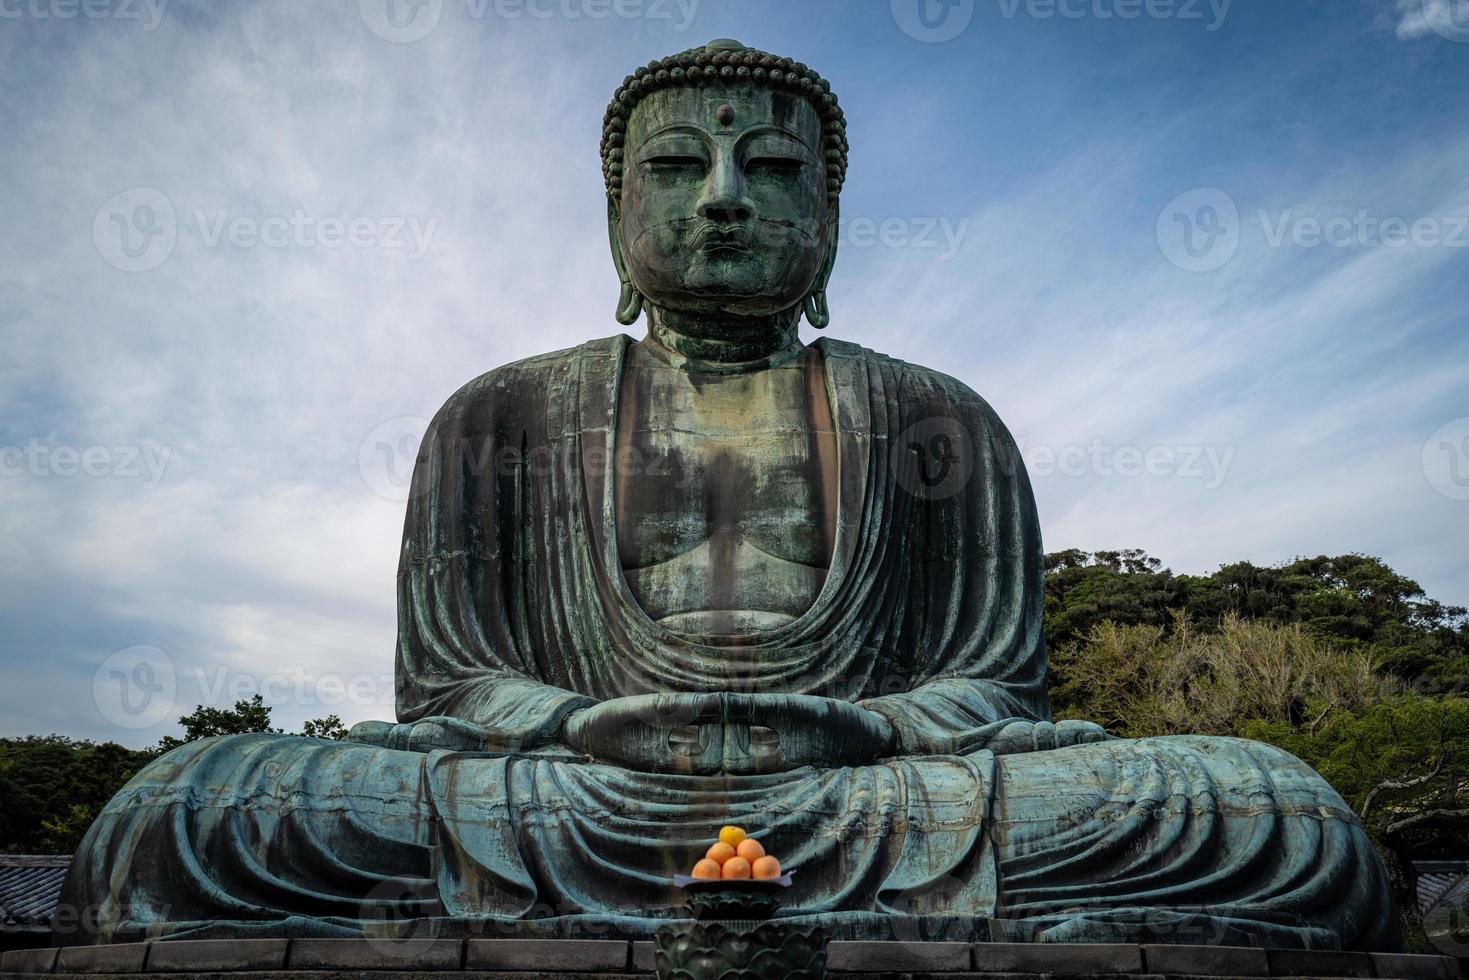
<point x="732" y="935"/>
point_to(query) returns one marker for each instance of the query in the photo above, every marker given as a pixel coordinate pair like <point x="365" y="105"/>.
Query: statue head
<point x="723" y="167"/>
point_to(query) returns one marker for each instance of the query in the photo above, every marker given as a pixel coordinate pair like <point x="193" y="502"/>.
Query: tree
<point x="205" y="722"/>
<point x="1350" y="601"/>
<point x="1139" y="681"/>
<point x="329" y="727"/>
<point x="1124" y="587"/>
<point x="52" y="787"/>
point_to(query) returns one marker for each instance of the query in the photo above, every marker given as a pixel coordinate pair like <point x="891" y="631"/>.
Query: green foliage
<point x="1352" y="602"/>
<point x="1402" y="763"/>
<point x="1125" y="587"/>
<point x="1138" y="681"/>
<point x="52" y="787"/>
<point x="1340" y="661"/>
<point x="205" y="722"/>
<point x="329" y="727"/>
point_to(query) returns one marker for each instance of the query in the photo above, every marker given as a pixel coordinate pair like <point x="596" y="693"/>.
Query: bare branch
<point x="1427" y="816"/>
<point x="1391" y="784"/>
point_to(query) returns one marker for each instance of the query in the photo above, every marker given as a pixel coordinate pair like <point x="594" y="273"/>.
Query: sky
<point x="1208" y="260"/>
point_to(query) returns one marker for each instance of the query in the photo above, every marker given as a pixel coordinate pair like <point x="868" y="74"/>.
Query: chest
<point x="745" y="459"/>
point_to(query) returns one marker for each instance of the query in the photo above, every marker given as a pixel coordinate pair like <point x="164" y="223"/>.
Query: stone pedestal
<point x="524" y="959"/>
<point x="733" y="935"/>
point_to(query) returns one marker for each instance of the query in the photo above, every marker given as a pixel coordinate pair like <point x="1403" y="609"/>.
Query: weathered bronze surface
<point x="718" y="576"/>
<point x="729" y="935"/>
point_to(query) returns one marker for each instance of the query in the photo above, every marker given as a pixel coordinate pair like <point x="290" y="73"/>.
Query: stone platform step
<point x="569" y="959"/>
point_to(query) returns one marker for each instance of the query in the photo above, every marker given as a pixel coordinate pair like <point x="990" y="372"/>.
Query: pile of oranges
<point x="737" y="857"/>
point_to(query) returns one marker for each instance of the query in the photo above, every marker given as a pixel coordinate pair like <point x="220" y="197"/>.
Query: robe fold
<point x="514" y="611"/>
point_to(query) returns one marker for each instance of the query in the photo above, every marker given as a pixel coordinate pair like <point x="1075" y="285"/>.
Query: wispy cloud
<point x="267" y="344"/>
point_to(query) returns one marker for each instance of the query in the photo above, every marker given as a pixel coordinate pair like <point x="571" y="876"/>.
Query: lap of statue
<point x="1179" y="839"/>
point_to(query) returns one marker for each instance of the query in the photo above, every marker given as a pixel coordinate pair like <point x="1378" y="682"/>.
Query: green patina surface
<point x="715" y="575"/>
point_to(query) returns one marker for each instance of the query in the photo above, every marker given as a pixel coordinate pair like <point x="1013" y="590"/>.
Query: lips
<point x="711" y="237"/>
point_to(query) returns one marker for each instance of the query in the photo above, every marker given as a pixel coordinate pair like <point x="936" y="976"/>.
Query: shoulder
<point x="524" y="384"/>
<point x="923" y="392"/>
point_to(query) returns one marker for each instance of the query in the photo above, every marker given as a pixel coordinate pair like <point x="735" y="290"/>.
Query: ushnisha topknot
<point x="718" y="61"/>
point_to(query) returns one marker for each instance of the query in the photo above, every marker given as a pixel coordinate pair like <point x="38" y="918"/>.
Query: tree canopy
<point x="52" y="787"/>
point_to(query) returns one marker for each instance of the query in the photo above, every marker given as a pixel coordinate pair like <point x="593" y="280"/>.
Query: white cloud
<point x="261" y="369"/>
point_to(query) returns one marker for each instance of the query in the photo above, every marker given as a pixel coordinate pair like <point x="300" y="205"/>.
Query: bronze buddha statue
<point x="716" y="575"/>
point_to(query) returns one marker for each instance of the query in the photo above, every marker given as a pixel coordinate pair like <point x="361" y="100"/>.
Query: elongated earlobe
<point x="630" y="302"/>
<point x="818" y="314"/>
<point x="629" y="305"/>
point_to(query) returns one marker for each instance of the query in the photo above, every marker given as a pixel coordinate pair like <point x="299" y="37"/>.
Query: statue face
<point x="724" y="203"/>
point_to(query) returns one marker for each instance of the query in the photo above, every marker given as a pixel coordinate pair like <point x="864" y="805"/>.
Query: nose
<point x="724" y="199"/>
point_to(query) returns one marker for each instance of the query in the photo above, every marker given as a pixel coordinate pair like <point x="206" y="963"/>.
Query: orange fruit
<point x="720" y="853"/>
<point x="732" y="836"/>
<point x="750" y="849"/>
<point x="707" y="869"/>
<point x="765" y="868"/>
<point x="736" y="868"/>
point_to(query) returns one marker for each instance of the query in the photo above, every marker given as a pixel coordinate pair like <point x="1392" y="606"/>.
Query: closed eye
<point x="780" y="165"/>
<point x="674" y="160"/>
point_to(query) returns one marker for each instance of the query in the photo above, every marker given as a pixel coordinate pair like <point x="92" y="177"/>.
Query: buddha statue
<point x="718" y="575"/>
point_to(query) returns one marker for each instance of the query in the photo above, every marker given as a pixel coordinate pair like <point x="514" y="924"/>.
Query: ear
<point x="817" y="312"/>
<point x="630" y="303"/>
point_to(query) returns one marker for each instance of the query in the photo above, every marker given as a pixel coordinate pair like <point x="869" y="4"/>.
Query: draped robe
<point x="514" y="611"/>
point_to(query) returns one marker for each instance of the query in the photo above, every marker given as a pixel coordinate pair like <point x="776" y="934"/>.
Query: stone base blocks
<point x="583" y="959"/>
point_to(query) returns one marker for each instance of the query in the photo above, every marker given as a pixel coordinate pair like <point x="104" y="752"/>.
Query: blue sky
<point x="1207" y="260"/>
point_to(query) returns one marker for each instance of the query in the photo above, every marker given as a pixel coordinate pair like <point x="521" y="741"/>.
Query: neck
<point x="722" y="342"/>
